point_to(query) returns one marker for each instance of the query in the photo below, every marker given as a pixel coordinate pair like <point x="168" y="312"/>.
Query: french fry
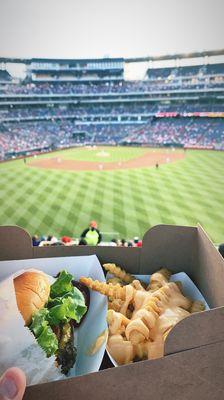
<point x="115" y="304"/>
<point x="197" y="306"/>
<point x="138" y="285"/>
<point x="119" y="272"/>
<point x="140" y="318"/>
<point x="108" y="289"/>
<point x="136" y="331"/>
<point x="115" y="280"/>
<point x="117" y="322"/>
<point x="159" y="279"/>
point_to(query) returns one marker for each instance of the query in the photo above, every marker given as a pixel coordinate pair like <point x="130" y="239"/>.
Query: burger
<point x="52" y="311"/>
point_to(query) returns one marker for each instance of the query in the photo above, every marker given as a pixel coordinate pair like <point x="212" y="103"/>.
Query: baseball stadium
<point x="81" y="141"/>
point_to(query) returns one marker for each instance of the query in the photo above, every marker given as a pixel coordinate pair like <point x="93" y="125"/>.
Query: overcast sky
<point x="116" y="28"/>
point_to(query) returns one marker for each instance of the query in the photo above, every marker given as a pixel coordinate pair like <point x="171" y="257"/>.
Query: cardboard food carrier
<point x="193" y="364"/>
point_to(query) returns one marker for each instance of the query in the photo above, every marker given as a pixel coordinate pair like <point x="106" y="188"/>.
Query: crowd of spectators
<point x="159" y="79"/>
<point x="16" y="138"/>
<point x="42" y="135"/>
<point x="70" y="88"/>
<point x="91" y="236"/>
<point x="63" y="112"/>
<point x="188" y="132"/>
<point x="52" y="240"/>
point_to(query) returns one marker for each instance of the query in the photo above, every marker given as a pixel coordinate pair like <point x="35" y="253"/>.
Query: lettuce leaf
<point x="43" y="332"/>
<point x="48" y="341"/>
<point x="39" y="321"/>
<point x="66" y="301"/>
<point x="70" y="306"/>
<point x="62" y="285"/>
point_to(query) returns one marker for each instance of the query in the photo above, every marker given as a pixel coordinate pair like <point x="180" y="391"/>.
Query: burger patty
<point x="67" y="352"/>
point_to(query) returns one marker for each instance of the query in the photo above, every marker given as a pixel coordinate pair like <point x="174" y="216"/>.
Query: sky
<point x="116" y="28"/>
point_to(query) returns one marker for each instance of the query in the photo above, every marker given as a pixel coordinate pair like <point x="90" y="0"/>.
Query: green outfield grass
<point x="124" y="201"/>
<point x="106" y="154"/>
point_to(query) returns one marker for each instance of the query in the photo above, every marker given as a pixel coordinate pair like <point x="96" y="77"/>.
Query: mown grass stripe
<point x="57" y="202"/>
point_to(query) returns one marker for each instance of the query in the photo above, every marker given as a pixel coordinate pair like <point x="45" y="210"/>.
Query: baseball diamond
<point x="57" y="194"/>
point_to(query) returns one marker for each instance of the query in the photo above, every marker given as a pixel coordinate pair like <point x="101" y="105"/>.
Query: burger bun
<point x="32" y="292"/>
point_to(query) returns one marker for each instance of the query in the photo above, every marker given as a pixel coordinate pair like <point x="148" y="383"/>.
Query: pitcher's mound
<point x="103" y="154"/>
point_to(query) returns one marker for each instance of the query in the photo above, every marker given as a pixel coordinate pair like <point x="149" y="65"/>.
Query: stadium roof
<point x="107" y="59"/>
<point x="197" y="54"/>
<point x="57" y="60"/>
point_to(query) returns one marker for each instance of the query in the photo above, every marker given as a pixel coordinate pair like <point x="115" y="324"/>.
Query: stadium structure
<point x="62" y="103"/>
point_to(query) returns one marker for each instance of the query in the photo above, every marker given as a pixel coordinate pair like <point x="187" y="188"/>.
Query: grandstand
<point x="61" y="103"/>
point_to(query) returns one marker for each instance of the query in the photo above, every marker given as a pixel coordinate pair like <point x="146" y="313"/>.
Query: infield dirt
<point x="147" y="160"/>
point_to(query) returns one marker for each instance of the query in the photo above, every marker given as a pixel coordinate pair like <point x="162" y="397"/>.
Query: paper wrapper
<point x="18" y="346"/>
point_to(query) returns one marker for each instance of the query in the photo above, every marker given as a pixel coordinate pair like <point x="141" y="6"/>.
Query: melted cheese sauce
<point x="98" y="343"/>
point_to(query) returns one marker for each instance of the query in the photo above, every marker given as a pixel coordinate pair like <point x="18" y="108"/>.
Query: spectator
<point x="221" y="249"/>
<point x="82" y="242"/>
<point x="35" y="240"/>
<point x="136" y="240"/>
<point x="52" y="239"/>
<point x="57" y="244"/>
<point x="113" y="242"/>
<point x="42" y="238"/>
<point x="123" y="243"/>
<point x="92" y="235"/>
<point x="66" y="240"/>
